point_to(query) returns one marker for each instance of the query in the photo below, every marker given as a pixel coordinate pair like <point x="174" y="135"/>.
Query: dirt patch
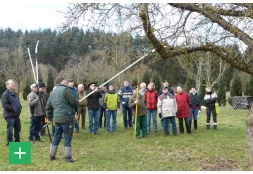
<point x="219" y="163"/>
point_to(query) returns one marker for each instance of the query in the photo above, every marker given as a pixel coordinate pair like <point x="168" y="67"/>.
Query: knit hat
<point x="59" y="80"/>
<point x="42" y="85"/>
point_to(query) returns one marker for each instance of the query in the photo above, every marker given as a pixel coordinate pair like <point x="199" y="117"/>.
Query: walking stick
<point x="34" y="75"/>
<point x="137" y="95"/>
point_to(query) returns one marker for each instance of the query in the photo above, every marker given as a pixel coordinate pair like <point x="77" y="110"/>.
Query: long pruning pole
<point x="137" y="96"/>
<point x="117" y="74"/>
<point x="34" y="75"/>
<point x="36" y="60"/>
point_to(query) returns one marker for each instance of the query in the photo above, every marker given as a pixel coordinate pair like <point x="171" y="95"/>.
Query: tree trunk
<point x="249" y="126"/>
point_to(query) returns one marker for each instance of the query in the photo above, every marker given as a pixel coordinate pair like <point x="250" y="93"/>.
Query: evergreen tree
<point x="146" y="77"/>
<point x="50" y="82"/>
<point x="236" y="88"/>
<point x="26" y="91"/>
<point x="134" y="83"/>
<point x="157" y="82"/>
<point x="249" y="88"/>
<point x="221" y="93"/>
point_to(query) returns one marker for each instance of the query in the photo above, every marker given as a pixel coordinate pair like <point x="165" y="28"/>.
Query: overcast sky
<point x="31" y="16"/>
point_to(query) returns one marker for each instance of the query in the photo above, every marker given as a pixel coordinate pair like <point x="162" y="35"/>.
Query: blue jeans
<point x="62" y="128"/>
<point x="94" y="120"/>
<point x="76" y="125"/>
<point x="35" y="125"/>
<point x="167" y="121"/>
<point x="193" y="114"/>
<point x="126" y="110"/>
<point x="153" y="115"/>
<point x="110" y="113"/>
<point x="162" y="124"/>
<point x="13" y="122"/>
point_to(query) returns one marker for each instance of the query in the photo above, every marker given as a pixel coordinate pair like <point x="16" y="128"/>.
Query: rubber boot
<point x="207" y="127"/>
<point x="195" y="124"/>
<point x="53" y="150"/>
<point x="190" y="124"/>
<point x="215" y="127"/>
<point x="68" y="154"/>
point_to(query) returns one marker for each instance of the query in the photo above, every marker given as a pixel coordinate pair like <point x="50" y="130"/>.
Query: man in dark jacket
<point x="93" y="107"/>
<point x="60" y="109"/>
<point x="124" y="94"/>
<point x="11" y="111"/>
<point x="44" y="97"/>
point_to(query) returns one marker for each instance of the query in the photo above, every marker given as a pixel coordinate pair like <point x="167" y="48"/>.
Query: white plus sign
<point x="19" y="153"/>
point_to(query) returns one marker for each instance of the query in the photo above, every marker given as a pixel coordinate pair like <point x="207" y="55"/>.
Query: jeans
<point x="62" y="128"/>
<point x="193" y="114"/>
<point x="167" y="121"/>
<point x="102" y="114"/>
<point x="13" y="122"/>
<point x="35" y="126"/>
<point x="153" y="115"/>
<point x="76" y="125"/>
<point x="110" y="113"/>
<point x="126" y="110"/>
<point x="94" y="120"/>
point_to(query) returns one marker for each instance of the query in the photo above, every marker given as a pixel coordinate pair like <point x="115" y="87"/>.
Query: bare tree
<point x="180" y="28"/>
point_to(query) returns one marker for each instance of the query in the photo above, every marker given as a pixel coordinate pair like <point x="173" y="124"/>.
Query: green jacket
<point x="111" y="100"/>
<point x="61" y="104"/>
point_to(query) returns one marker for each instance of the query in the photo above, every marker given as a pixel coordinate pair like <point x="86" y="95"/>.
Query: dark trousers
<point x="181" y="125"/>
<point x="43" y="123"/>
<point x="127" y="116"/>
<point x="35" y="126"/>
<point x="13" y="123"/>
<point x="102" y="114"/>
<point x="208" y="116"/>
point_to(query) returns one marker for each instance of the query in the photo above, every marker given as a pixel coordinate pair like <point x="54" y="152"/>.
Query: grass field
<point x="203" y="150"/>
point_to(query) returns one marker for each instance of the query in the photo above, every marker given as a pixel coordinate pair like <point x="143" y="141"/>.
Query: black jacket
<point x="11" y="104"/>
<point x="93" y="99"/>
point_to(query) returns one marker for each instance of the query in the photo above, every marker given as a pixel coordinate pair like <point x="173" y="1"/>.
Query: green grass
<point x="224" y="149"/>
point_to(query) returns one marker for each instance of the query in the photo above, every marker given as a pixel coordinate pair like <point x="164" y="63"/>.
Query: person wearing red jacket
<point x="151" y="102"/>
<point x="183" y="113"/>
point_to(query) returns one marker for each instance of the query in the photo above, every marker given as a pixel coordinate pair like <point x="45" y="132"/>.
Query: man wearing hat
<point x="36" y="112"/>
<point x="165" y="84"/>
<point x="60" y="108"/>
<point x="93" y="107"/>
<point x="44" y="97"/>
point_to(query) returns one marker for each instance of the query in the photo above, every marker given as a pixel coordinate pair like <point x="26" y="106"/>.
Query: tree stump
<point x="249" y="126"/>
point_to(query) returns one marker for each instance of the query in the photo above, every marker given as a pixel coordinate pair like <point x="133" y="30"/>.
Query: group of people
<point x="66" y="105"/>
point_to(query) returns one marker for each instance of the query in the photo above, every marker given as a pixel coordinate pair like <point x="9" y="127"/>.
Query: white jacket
<point x="167" y="105"/>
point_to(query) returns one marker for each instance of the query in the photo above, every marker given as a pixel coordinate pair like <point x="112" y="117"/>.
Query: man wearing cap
<point x="36" y="112"/>
<point x="93" y="107"/>
<point x="11" y="111"/>
<point x="44" y="97"/>
<point x="60" y="108"/>
<point x="73" y="89"/>
<point x="165" y="84"/>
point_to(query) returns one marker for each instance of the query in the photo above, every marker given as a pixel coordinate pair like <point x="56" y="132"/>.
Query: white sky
<point x="31" y="15"/>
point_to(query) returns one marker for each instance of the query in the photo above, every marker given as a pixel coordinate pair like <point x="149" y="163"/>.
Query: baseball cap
<point x="33" y="85"/>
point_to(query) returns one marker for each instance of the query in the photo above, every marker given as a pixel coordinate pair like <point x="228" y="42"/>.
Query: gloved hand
<point x="160" y="115"/>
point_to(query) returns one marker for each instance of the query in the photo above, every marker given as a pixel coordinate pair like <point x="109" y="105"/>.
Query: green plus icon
<point x="20" y="153"/>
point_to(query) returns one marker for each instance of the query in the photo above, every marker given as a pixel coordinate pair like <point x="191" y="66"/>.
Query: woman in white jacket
<point x="167" y="109"/>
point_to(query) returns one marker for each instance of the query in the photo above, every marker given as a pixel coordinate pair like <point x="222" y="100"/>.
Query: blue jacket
<point x="11" y="104"/>
<point x="125" y="93"/>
